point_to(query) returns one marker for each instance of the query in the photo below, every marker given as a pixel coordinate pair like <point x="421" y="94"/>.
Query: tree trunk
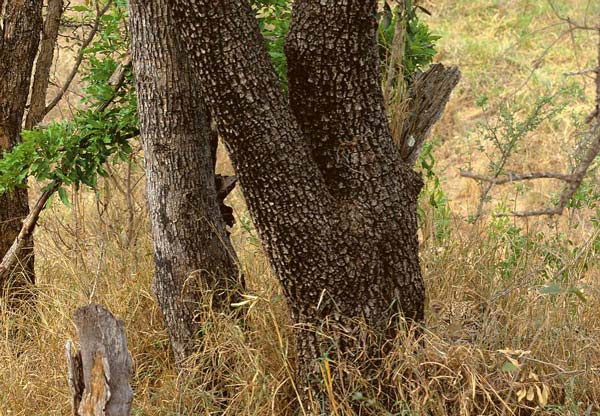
<point x="43" y="64"/>
<point x="334" y="204"/>
<point x="191" y="244"/>
<point x="19" y="38"/>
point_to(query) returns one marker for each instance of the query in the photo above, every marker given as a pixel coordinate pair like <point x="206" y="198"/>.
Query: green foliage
<point x="499" y="138"/>
<point x="73" y="152"/>
<point x="419" y="43"/>
<point x="273" y="18"/>
<point x="68" y="152"/>
<point x="506" y="132"/>
<point x="433" y="197"/>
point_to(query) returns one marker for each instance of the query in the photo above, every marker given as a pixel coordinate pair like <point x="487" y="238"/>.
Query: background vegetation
<point x="513" y="316"/>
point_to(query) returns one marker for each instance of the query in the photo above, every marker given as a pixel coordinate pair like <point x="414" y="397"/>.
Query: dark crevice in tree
<point x="223" y="183"/>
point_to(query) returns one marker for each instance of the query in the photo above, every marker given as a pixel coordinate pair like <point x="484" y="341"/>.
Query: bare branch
<point x="575" y="180"/>
<point x="79" y="59"/>
<point x="596" y="113"/>
<point x="582" y="72"/>
<point x="516" y="177"/>
<point x="573" y="25"/>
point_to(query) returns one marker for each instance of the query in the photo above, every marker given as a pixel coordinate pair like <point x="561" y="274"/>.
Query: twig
<point x="559" y="370"/>
<point x="573" y="182"/>
<point x="98" y="270"/>
<point x="79" y="60"/>
<point x="582" y="72"/>
<point x="572" y="24"/>
<point x="515" y="177"/>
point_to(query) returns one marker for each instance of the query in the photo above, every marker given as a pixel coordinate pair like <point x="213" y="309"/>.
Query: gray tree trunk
<point x="191" y="245"/>
<point x="20" y="26"/>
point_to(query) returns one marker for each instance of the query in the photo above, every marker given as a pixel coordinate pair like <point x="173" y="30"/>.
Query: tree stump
<point x="99" y="374"/>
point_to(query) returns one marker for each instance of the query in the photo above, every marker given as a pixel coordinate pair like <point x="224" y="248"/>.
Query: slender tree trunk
<point x="20" y="27"/>
<point x="191" y="244"/>
<point x="39" y="88"/>
<point x="333" y="202"/>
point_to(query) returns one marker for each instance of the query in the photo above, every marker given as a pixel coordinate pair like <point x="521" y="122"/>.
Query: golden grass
<point x="513" y="306"/>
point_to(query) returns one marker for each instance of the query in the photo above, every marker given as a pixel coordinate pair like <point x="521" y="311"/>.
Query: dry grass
<point x="500" y="292"/>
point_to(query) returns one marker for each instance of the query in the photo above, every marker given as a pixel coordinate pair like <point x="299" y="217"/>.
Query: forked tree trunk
<point x="20" y="27"/>
<point x="333" y="202"/>
<point x="191" y="245"/>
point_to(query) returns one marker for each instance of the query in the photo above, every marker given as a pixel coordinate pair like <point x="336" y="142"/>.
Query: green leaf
<point x="63" y="196"/>
<point x="551" y="289"/>
<point x="509" y="367"/>
<point x="49" y="202"/>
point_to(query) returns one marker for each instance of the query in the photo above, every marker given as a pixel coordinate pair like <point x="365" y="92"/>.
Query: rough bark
<point x="39" y="88"/>
<point x="427" y="96"/>
<point x="74" y="377"/>
<point x="191" y="244"/>
<point x="99" y="375"/>
<point x="333" y="202"/>
<point x="335" y="94"/>
<point x="15" y="252"/>
<point x="19" y="38"/>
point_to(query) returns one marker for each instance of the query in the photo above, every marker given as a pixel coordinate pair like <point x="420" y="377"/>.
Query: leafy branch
<point x="74" y="152"/>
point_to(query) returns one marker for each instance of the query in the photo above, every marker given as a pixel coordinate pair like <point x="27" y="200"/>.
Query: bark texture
<point x="332" y="200"/>
<point x="99" y="375"/>
<point x="15" y="252"/>
<point x="191" y="243"/>
<point x="21" y="22"/>
<point x="39" y="88"/>
<point x="427" y="97"/>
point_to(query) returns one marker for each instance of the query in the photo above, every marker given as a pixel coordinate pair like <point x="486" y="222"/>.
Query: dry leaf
<point x="521" y="394"/>
<point x="530" y="394"/>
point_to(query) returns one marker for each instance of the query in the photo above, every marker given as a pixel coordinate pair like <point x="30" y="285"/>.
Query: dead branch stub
<point x="99" y="374"/>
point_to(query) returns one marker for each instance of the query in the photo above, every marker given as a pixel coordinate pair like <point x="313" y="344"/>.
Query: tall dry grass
<point x="513" y="307"/>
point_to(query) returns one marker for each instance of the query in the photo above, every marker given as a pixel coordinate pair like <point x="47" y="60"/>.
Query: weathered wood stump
<point x="99" y="374"/>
